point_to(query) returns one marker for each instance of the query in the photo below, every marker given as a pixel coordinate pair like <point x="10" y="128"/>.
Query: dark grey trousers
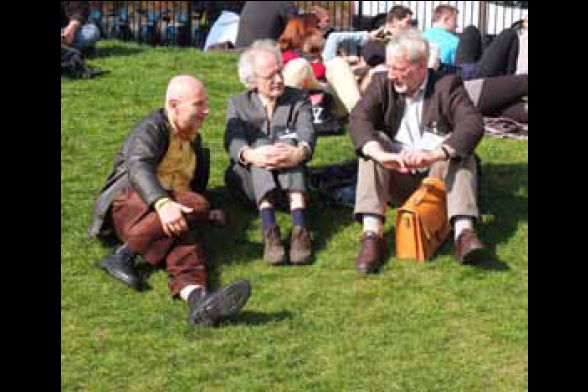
<point x="252" y="184"/>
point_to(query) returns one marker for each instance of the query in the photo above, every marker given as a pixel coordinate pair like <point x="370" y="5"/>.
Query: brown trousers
<point x="376" y="186"/>
<point x="140" y="228"/>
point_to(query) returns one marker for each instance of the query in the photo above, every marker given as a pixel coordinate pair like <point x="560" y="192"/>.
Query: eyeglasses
<point x="271" y="77"/>
<point x="399" y="71"/>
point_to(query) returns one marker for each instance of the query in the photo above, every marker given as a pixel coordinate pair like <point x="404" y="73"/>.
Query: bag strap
<point x="429" y="184"/>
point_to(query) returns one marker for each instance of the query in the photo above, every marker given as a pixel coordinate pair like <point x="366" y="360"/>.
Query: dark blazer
<point x="447" y="110"/>
<point x="135" y="165"/>
<point x="262" y="20"/>
<point x="246" y="121"/>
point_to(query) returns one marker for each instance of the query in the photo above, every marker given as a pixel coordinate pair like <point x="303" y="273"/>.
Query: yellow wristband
<point x="159" y="203"/>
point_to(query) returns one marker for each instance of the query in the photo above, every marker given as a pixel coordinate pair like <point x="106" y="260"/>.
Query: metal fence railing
<point x="174" y="23"/>
<point x="186" y="23"/>
<point x="490" y="16"/>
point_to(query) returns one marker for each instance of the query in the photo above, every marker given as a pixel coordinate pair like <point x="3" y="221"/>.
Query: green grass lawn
<point x="434" y="327"/>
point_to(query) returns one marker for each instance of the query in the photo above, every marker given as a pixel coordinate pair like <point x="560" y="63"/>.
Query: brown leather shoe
<point x="300" y="247"/>
<point x="468" y="247"/>
<point x="371" y="254"/>
<point x="273" y="251"/>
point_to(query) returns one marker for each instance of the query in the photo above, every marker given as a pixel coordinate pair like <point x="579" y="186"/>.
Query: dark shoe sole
<point x="136" y="285"/>
<point x="367" y="271"/>
<point x="473" y="256"/>
<point x="225" y="303"/>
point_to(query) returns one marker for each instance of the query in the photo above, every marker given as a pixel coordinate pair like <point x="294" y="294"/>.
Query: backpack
<point x="335" y="184"/>
<point x="74" y="66"/>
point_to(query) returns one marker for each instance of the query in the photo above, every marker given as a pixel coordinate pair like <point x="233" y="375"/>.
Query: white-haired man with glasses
<point x="270" y="137"/>
<point x="409" y="124"/>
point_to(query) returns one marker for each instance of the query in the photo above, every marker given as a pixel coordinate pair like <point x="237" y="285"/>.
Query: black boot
<point x="208" y="309"/>
<point x="121" y="265"/>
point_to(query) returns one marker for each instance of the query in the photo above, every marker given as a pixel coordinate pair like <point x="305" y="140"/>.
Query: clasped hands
<point x="275" y="156"/>
<point x="406" y="161"/>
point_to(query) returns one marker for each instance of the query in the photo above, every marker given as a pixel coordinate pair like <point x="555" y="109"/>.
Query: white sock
<point x="186" y="291"/>
<point x="462" y="222"/>
<point x="373" y="223"/>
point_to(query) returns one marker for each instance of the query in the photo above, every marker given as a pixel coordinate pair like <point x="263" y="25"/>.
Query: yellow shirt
<point x="176" y="170"/>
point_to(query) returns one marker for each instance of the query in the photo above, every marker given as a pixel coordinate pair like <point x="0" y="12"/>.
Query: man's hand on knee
<point x="171" y="215"/>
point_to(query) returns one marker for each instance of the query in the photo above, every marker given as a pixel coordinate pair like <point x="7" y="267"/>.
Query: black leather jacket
<point x="135" y="165"/>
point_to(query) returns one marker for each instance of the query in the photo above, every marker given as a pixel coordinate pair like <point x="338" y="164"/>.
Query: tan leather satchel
<point x="421" y="224"/>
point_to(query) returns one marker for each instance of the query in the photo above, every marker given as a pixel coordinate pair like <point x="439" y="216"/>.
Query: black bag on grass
<point x="74" y="66"/>
<point x="335" y="184"/>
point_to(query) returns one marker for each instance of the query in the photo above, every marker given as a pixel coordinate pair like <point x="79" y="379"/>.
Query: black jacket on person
<point x="262" y="20"/>
<point x="135" y="165"/>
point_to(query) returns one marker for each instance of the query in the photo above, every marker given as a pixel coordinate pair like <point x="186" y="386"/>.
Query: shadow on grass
<point x="245" y="317"/>
<point x="114" y="50"/>
<point x="503" y="195"/>
<point x="252" y="318"/>
<point x="500" y="197"/>
<point x="226" y="245"/>
<point x="233" y="242"/>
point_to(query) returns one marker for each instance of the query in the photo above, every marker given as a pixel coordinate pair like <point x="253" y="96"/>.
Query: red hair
<point x="298" y="29"/>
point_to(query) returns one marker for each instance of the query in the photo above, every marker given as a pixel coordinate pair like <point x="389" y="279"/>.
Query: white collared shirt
<point x="411" y="134"/>
<point x="265" y="102"/>
<point x="410" y="131"/>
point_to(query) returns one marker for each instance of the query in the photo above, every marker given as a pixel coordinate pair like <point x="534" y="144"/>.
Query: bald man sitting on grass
<point x="153" y="203"/>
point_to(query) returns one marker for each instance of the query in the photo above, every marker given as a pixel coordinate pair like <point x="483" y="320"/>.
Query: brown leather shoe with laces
<point x="273" y="251"/>
<point x="300" y="247"/>
<point x="371" y="254"/>
<point x="468" y="247"/>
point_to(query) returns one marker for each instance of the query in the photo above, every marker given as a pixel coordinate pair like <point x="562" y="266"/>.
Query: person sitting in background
<point x="301" y="44"/>
<point x="523" y="56"/>
<point x="152" y="201"/>
<point x="501" y="96"/>
<point x="323" y="16"/>
<point x="75" y="32"/>
<point x="373" y="52"/>
<point x="270" y="137"/>
<point x="507" y="54"/>
<point x="263" y="20"/>
<point x="223" y="33"/>
<point x="397" y="19"/>
<point x="443" y="32"/>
